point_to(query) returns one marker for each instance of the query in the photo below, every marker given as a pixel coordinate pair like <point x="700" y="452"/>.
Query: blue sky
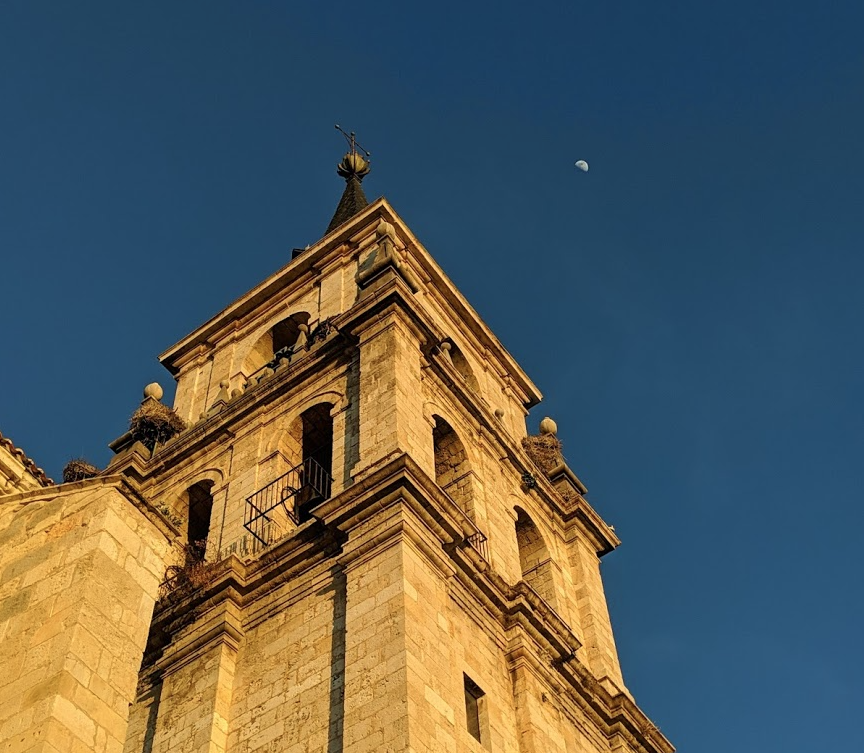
<point x="691" y="308"/>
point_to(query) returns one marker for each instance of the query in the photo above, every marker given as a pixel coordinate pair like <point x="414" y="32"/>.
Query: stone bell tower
<point x="368" y="552"/>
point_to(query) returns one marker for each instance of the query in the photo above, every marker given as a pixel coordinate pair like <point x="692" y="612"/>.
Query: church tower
<point x="359" y="545"/>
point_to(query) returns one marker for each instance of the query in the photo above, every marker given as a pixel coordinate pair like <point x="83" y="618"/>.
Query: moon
<point x="582" y="165"/>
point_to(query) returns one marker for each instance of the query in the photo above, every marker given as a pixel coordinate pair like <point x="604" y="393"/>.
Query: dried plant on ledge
<point x="167" y="512"/>
<point x="182" y="580"/>
<point x="78" y="469"/>
<point x="154" y="423"/>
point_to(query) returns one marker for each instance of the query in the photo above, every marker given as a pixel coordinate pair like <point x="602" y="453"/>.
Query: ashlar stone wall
<point x="80" y="565"/>
<point x="371" y="644"/>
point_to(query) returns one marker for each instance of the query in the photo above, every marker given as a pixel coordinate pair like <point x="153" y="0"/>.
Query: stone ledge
<point x="121" y="483"/>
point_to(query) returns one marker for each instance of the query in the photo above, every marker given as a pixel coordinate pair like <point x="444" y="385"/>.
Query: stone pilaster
<point x="390" y="399"/>
<point x="599" y="642"/>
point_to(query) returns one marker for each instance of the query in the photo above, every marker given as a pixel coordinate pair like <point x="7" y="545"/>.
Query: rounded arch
<point x="308" y="443"/>
<point x="434" y="412"/>
<point x="535" y="560"/>
<point x="197" y="501"/>
<point x="462" y="366"/>
<point x="279" y="337"/>
<point x="336" y="400"/>
<point x="311" y="434"/>
<point x="452" y="465"/>
<point x="214" y="476"/>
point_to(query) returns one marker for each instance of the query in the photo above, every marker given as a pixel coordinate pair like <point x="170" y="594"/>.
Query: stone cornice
<point x="222" y="624"/>
<point x="377" y="512"/>
<point x="393" y="292"/>
<point x="346" y="241"/>
<point x="576" y="510"/>
<point x="438" y="285"/>
<point x="575" y="691"/>
<point x="117" y="482"/>
<point x="226" y="422"/>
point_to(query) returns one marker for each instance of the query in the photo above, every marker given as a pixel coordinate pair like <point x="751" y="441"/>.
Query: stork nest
<point x="78" y="469"/>
<point x="544" y="450"/>
<point x="154" y="423"/>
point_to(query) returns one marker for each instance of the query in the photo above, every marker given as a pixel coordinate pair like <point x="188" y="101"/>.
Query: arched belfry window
<point x="534" y="557"/>
<point x="452" y="470"/>
<point x="308" y="447"/>
<point x="304" y="479"/>
<point x="460" y="363"/>
<point x="281" y="339"/>
<point x="317" y="435"/>
<point x="200" y="508"/>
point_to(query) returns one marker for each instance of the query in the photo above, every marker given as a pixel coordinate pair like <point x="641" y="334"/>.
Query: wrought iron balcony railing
<point x="281" y="503"/>
<point x="282" y="357"/>
<point x="477" y="541"/>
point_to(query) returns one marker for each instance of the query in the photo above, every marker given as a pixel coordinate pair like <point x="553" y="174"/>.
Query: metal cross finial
<point x="352" y="141"/>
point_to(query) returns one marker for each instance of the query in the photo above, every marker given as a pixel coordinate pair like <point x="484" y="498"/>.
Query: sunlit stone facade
<point x="356" y="551"/>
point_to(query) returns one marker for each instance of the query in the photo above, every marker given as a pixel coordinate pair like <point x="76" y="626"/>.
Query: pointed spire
<point x="353" y="168"/>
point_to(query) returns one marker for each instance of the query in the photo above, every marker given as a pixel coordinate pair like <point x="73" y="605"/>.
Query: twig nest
<point x="548" y="426"/>
<point x="154" y="390"/>
<point x="154" y="423"/>
<point x="544" y="450"/>
<point x="78" y="469"/>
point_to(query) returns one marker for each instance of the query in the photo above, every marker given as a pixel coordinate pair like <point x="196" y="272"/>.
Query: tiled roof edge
<point x="28" y="463"/>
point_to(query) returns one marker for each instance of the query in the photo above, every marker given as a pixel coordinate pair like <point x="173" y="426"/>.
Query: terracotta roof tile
<point x="28" y="463"/>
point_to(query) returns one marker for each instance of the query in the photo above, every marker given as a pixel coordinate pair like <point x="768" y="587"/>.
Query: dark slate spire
<point x="353" y="168"/>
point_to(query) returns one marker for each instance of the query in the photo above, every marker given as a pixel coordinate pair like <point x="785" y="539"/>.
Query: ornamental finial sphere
<point x="153" y="390"/>
<point x="548" y="426"/>
<point x="384" y="229"/>
<point x="352" y="166"/>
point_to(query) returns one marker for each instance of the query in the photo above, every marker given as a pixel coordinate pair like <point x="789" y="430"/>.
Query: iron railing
<point x="272" y="509"/>
<point x="245" y="546"/>
<point x="477" y="541"/>
<point x="320" y="333"/>
<point x="269" y="368"/>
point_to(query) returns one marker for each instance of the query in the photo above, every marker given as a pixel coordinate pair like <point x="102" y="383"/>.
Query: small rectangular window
<point x="474" y="707"/>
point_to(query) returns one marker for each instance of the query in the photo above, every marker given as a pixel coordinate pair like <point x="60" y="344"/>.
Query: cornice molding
<point x="399" y="503"/>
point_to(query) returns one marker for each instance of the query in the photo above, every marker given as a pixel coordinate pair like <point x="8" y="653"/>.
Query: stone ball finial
<point x="384" y="229"/>
<point x="446" y="349"/>
<point x="548" y="426"/>
<point x="154" y="390"/>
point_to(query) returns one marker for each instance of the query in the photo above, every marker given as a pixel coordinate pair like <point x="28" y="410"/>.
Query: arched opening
<point x="317" y="438"/>
<point x="452" y="470"/>
<point x="534" y="558"/>
<point x="303" y="476"/>
<point x="200" y="507"/>
<point x="460" y="363"/>
<point x="308" y="445"/>
<point x="281" y="341"/>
